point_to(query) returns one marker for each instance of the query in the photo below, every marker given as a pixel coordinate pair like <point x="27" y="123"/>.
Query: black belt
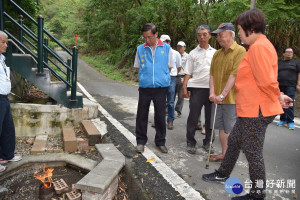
<point x="3" y="96"/>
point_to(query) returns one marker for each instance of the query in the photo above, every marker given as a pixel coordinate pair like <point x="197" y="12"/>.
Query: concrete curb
<point x="101" y="177"/>
<point x="75" y="160"/>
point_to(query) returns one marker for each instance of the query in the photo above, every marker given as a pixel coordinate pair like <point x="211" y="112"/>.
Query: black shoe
<point x="214" y="177"/>
<point x="191" y="148"/>
<point x="163" y="149"/>
<point x="140" y="148"/>
<point x="206" y="148"/>
<point x="247" y="197"/>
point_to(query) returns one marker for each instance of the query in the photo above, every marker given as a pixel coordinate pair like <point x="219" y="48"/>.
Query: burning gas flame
<point x="45" y="176"/>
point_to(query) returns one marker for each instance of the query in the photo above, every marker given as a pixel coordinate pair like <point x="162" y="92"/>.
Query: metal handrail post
<point x="40" y="45"/>
<point x="74" y="74"/>
<point x="68" y="73"/>
<point x="20" y="30"/>
<point x="45" y="50"/>
<point x="2" y="15"/>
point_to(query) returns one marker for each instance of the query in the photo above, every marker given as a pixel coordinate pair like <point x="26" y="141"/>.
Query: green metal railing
<point x="36" y="44"/>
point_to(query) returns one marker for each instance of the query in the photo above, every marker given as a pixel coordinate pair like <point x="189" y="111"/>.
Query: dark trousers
<point x="288" y="114"/>
<point x="7" y="130"/>
<point x="158" y="96"/>
<point x="199" y="98"/>
<point x="248" y="134"/>
<point x="178" y="91"/>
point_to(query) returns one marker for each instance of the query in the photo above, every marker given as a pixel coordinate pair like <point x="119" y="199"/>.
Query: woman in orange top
<point x="258" y="101"/>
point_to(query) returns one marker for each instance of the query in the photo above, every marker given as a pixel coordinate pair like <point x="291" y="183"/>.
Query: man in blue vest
<point x="153" y="62"/>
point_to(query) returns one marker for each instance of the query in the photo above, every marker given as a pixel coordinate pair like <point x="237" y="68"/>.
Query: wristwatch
<point x="222" y="97"/>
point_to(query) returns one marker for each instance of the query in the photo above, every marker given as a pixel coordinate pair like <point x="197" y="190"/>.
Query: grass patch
<point x="107" y="70"/>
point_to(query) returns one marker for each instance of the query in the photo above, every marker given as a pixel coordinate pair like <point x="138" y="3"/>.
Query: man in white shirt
<point x="196" y="80"/>
<point x="171" y="90"/>
<point x="7" y="127"/>
<point x="179" y="79"/>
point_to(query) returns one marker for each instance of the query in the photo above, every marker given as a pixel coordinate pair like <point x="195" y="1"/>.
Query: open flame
<point x="45" y="176"/>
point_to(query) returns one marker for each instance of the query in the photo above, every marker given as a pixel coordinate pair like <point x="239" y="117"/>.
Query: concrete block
<point x="39" y="145"/>
<point x="100" y="125"/>
<point x="108" y="194"/>
<point x="73" y="195"/>
<point x="69" y="138"/>
<point x="92" y="132"/>
<point x="60" y="186"/>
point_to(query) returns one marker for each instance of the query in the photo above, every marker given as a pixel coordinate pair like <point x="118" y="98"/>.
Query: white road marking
<point x="176" y="181"/>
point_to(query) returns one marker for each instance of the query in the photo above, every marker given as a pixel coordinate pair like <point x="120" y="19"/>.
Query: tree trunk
<point x="253" y="4"/>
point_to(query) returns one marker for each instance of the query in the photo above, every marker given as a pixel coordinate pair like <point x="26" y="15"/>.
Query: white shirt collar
<point x="2" y="57"/>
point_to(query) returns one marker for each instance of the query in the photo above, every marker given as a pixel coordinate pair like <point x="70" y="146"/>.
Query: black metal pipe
<point x="2" y="15"/>
<point x="20" y="30"/>
<point x="74" y="74"/>
<point x="40" y="45"/>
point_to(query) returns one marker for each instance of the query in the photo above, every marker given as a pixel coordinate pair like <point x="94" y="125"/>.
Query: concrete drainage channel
<point x="101" y="182"/>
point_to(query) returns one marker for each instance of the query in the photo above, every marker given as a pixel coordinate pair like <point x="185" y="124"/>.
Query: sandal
<point x="2" y="168"/>
<point x="216" y="158"/>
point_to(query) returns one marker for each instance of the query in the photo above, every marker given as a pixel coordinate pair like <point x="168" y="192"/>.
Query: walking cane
<point x="211" y="137"/>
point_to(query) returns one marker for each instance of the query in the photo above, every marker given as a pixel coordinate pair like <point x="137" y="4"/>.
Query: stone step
<point x="94" y="136"/>
<point x="69" y="138"/>
<point x="39" y="145"/>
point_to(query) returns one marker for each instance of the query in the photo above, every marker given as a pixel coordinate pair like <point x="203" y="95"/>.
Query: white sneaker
<point x="2" y="161"/>
<point x="15" y="158"/>
<point x="2" y="168"/>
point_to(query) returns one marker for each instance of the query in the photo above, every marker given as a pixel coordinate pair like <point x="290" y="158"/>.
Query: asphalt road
<point x="281" y="150"/>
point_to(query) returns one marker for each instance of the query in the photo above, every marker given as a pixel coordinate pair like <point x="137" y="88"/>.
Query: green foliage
<point x="108" y="70"/>
<point x="29" y="6"/>
<point x="283" y="18"/>
<point x="227" y="11"/>
<point x="115" y="26"/>
<point x="63" y="18"/>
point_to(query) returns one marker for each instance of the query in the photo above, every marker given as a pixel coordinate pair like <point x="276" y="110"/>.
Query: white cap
<point x="164" y="38"/>
<point x="181" y="43"/>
